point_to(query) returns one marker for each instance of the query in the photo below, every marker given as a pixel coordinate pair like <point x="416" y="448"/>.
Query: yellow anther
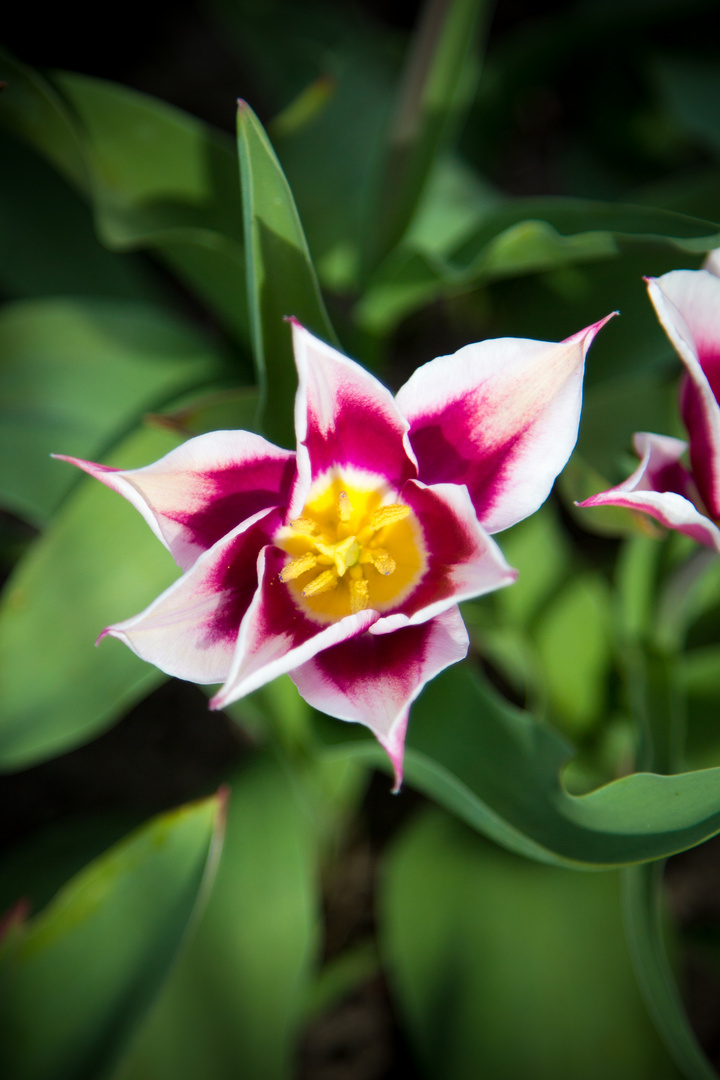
<point x="298" y="566"/>
<point x="383" y="563"/>
<point x="388" y="515"/>
<point x="324" y="582"/>
<point x="359" y="595"/>
<point x="304" y="525"/>
<point x="344" y="506"/>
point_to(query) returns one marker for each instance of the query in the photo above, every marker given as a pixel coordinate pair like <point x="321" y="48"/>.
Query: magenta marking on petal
<point x="485" y="474"/>
<point x="702" y="445"/>
<point x="230" y="496"/>
<point x="709" y="359"/>
<point x="449" y="543"/>
<point x="345" y="416"/>
<point x="235" y="578"/>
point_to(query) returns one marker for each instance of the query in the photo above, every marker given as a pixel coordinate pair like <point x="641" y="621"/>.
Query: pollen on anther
<point x="383" y="563"/>
<point x="303" y="525"/>
<point x="298" y="566"/>
<point x="388" y="515"/>
<point x="359" y="595"/>
<point x="322" y="583"/>
<point x="344" y="506"/>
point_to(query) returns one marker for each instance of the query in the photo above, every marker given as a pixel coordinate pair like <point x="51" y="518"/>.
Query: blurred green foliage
<point x="472" y="176"/>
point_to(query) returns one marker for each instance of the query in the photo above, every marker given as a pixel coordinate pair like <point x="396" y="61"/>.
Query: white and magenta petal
<point x="202" y="490"/>
<point x="462" y="560"/>
<point x="373" y="680"/>
<point x="687" y="303"/>
<point x="191" y="630"/>
<point x="662" y="488"/>
<point x="712" y="262"/>
<point x="500" y="416"/>
<point x="344" y="417"/>
<point x="277" y="636"/>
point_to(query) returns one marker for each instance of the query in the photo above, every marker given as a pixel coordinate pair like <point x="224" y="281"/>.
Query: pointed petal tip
<point x="394" y="747"/>
<point x="107" y="632"/>
<point x="596" y="327"/>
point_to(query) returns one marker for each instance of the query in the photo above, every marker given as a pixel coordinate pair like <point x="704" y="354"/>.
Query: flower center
<point x="350" y="549"/>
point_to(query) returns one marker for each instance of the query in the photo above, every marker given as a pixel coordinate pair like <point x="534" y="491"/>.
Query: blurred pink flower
<point x="343" y="564"/>
<point x="687" y="303"/>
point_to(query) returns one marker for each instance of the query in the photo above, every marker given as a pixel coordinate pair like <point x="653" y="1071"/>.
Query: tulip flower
<point x="687" y="303"/>
<point x="343" y="563"/>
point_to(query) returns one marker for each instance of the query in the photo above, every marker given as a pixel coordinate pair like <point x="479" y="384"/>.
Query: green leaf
<point x="479" y="944"/>
<point x="573" y="639"/>
<point x="97" y="563"/>
<point x="75" y="375"/>
<point x="498" y="769"/>
<point x="232" y="1006"/>
<point x="77" y="979"/>
<point x="48" y="245"/>
<point x="440" y="77"/>
<point x="280" y="275"/>
<point x="519" y="237"/>
<point x="641" y="904"/>
<point x="156" y="177"/>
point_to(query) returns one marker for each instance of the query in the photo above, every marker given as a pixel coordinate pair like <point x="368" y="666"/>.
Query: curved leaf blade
<point x="75" y="375"/>
<point x="77" y="979"/>
<point x="479" y="944"/>
<point x="156" y="177"/>
<point x="281" y="278"/>
<point x="498" y="769"/>
<point x="97" y="562"/>
<point x="641" y="908"/>
<point x="233" y="1004"/>
<point x="440" y="77"/>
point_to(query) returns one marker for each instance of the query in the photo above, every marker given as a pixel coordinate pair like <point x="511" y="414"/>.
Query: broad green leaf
<point x="280" y="275"/>
<point x="156" y="177"/>
<point x="573" y="639"/>
<point x="480" y="945"/>
<point x="539" y="551"/>
<point x="97" y="563"/>
<point x="614" y="410"/>
<point x="76" y="980"/>
<point x="519" y="237"/>
<point x="498" y="769"/>
<point x="47" y="243"/>
<point x="326" y="72"/>
<point x="32" y="109"/>
<point x="440" y="76"/>
<point x="643" y="926"/>
<point x="75" y="375"/>
<point x="218" y="410"/>
<point x="232" y="1006"/>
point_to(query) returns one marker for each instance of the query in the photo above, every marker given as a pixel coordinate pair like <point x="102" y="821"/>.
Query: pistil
<point x="346" y="554"/>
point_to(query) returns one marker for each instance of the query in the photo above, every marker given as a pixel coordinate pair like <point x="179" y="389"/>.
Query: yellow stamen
<point x="298" y="566"/>
<point x="359" y="595"/>
<point x="324" y="582"/>
<point x="383" y="563"/>
<point x="344" y="506"/>
<point x="388" y="515"/>
<point x="304" y="525"/>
